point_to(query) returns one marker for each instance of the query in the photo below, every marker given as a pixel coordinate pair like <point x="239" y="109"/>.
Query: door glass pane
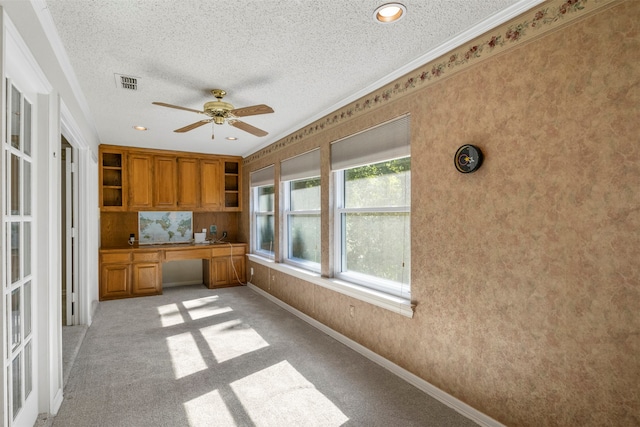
<point x="28" y="364"/>
<point x="27" y="128"/>
<point x="15" y="185"/>
<point x="8" y="378"/>
<point x="15" y="117"/>
<point x="16" y="330"/>
<point x="26" y="176"/>
<point x="6" y="184"/>
<point x="15" y="252"/>
<point x="16" y="380"/>
<point x="7" y="311"/>
<point x="27" y="248"/>
<point x="27" y="309"/>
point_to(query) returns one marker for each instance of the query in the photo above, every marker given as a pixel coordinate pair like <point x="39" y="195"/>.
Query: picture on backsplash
<point x="165" y="227"/>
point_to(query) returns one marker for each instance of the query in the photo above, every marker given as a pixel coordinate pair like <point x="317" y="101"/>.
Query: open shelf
<point x="232" y="185"/>
<point x="111" y="184"/>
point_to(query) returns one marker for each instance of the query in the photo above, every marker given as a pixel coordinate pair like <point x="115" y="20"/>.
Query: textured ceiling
<point x="304" y="58"/>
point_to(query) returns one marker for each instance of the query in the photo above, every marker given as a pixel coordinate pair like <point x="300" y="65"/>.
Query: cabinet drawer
<point x="116" y="257"/>
<point x="146" y="256"/>
<point x="201" y="253"/>
<point x="226" y="250"/>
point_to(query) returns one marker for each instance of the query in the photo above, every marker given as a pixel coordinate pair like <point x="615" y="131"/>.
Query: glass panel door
<point x="17" y="252"/>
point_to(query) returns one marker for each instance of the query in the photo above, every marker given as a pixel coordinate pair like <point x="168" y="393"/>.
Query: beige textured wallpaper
<point x="526" y="273"/>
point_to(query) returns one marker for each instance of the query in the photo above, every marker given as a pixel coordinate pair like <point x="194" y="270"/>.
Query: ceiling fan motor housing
<point x="219" y="110"/>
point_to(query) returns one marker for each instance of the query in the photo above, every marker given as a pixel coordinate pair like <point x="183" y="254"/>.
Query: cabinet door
<point x="114" y="281"/>
<point x="188" y="183"/>
<point x="140" y="183"/>
<point x="238" y="268"/>
<point x="221" y="271"/>
<point x="146" y="279"/>
<point x="164" y="182"/>
<point x="210" y="184"/>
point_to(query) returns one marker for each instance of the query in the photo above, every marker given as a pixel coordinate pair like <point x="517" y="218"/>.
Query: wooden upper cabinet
<point x="188" y="183"/>
<point x="211" y="184"/>
<point x="140" y="181"/>
<point x="164" y="181"/>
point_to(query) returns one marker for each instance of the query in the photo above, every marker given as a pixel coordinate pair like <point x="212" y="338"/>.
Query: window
<point x="301" y="188"/>
<point x="263" y="194"/>
<point x="303" y="222"/>
<point x="373" y="208"/>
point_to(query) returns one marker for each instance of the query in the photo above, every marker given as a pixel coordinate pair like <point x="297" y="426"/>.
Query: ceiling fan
<point x="219" y="111"/>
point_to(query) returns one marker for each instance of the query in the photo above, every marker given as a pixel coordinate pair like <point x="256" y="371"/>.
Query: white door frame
<point x="86" y="219"/>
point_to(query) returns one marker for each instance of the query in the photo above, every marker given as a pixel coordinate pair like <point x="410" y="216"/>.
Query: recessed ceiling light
<point x="232" y="138"/>
<point x="140" y="128"/>
<point x="390" y="12"/>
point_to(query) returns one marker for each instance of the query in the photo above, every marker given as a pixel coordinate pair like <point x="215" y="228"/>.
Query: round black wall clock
<point x="468" y="158"/>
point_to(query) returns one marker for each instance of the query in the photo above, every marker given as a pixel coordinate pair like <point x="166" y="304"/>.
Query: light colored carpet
<point x="229" y="357"/>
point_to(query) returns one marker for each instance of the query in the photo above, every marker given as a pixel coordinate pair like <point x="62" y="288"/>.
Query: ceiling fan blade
<point x="252" y="110"/>
<point x="192" y="126"/>
<point x="162" y="104"/>
<point x="247" y="127"/>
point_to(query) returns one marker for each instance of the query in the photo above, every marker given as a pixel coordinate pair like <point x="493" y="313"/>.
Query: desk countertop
<point x="170" y="246"/>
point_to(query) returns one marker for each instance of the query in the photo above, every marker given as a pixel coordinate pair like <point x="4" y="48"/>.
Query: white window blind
<point x="387" y="141"/>
<point x="305" y="165"/>
<point x="263" y="176"/>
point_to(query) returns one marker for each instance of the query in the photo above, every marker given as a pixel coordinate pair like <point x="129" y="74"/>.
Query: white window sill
<point x="388" y="302"/>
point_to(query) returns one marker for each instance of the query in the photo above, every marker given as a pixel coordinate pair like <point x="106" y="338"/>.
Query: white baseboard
<point x="433" y="391"/>
<point x="56" y="402"/>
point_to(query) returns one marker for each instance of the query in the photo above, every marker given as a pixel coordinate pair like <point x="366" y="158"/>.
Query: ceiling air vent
<point x="127" y="82"/>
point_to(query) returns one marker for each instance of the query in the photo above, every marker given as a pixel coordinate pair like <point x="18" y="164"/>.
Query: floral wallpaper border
<point x="534" y="23"/>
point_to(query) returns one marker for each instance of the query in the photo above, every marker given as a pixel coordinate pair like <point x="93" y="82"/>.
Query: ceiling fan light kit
<point x="220" y="111"/>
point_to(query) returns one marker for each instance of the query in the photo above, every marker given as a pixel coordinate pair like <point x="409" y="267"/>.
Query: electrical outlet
<point x="352" y="311"/>
<point x="252" y="271"/>
<point x="213" y="229"/>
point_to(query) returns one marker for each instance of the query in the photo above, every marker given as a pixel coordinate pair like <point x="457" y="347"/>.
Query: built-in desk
<point x="135" y="271"/>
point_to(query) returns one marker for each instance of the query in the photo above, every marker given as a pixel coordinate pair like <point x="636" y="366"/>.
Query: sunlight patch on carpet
<point x="185" y="355"/>
<point x="280" y="395"/>
<point x="170" y="315"/>
<point x="231" y="339"/>
<point x="204" y="307"/>
<point x="208" y="410"/>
